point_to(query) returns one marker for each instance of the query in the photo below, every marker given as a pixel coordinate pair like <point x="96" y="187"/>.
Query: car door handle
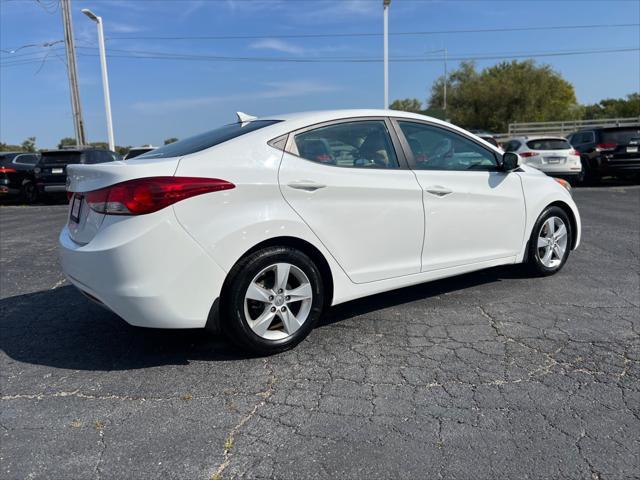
<point x="306" y="185"/>
<point x="438" y="191"/>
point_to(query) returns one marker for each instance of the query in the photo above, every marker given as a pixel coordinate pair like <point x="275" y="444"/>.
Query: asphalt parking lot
<point x="487" y="375"/>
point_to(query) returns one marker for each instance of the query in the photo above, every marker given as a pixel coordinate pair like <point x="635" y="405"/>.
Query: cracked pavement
<point x="487" y="375"/>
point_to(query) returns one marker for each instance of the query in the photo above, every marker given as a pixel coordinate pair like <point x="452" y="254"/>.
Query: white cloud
<point x="273" y="90"/>
<point x="277" y="45"/>
<point x="117" y="27"/>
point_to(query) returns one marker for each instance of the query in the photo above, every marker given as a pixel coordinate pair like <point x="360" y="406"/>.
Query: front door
<point x="473" y="211"/>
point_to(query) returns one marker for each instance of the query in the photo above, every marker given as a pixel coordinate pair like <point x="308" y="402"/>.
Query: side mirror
<point x="511" y="161"/>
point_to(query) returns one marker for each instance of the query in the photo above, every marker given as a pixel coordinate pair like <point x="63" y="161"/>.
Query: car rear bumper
<point x="148" y="271"/>
<point x="614" y="166"/>
<point x="51" y="188"/>
<point x="6" y="191"/>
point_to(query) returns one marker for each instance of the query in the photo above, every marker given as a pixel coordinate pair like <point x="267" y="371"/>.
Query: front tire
<point x="272" y="300"/>
<point x="550" y="242"/>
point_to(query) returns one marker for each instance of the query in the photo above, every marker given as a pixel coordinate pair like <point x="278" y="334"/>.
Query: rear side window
<point x="584" y="137"/>
<point x="512" y="146"/>
<point x="548" y="144"/>
<point x="620" y="136"/>
<point x="206" y="140"/>
<point x="360" y="144"/>
<point x="26" y="159"/>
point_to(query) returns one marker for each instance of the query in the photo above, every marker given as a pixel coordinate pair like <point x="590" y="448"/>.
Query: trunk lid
<point x="83" y="222"/>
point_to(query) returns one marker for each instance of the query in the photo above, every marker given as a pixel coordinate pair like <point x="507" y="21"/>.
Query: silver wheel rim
<point x="552" y="242"/>
<point x="278" y="301"/>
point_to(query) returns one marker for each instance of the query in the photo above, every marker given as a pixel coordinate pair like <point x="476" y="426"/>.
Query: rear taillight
<point x="574" y="152"/>
<point x="606" y="146"/>
<point x="147" y="195"/>
<point x="529" y="154"/>
<point x="7" y="170"/>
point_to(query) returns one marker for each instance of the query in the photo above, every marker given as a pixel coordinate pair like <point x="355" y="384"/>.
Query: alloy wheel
<point x="552" y="242"/>
<point x="278" y="301"/>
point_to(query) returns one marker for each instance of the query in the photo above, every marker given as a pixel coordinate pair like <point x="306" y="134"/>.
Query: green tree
<point x="170" y="140"/>
<point x="614" y="108"/>
<point x="66" y="142"/>
<point x="29" y="145"/>
<point x="516" y="91"/>
<point x="407" y="105"/>
<point x="5" y="147"/>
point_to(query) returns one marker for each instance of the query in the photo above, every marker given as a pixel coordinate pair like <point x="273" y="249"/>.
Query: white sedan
<point x="259" y="226"/>
<point x="552" y="155"/>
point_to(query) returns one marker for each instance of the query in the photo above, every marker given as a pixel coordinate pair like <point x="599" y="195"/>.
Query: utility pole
<point x="72" y="72"/>
<point x="385" y="6"/>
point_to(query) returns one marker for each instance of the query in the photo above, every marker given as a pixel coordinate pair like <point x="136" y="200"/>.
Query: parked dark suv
<point x="607" y="151"/>
<point x="17" y="177"/>
<point x="51" y="171"/>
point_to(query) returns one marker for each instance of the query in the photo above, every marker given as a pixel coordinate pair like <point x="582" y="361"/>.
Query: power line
<point x="375" y="34"/>
<point x="157" y="55"/>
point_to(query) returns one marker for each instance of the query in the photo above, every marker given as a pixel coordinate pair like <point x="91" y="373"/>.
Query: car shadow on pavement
<point x="422" y="291"/>
<point x="61" y="328"/>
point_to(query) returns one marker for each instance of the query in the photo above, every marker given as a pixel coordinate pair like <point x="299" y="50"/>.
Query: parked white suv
<point x="553" y="155"/>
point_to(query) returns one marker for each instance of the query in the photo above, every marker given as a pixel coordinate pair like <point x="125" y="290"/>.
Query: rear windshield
<point x="206" y="140"/>
<point x="620" y="136"/>
<point x="61" y="157"/>
<point x="548" y="144"/>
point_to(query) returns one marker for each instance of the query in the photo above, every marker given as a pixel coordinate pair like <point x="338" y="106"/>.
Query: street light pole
<point x="385" y="5"/>
<point x="105" y="78"/>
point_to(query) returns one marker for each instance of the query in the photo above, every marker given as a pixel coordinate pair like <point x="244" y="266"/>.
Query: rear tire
<point x="272" y="300"/>
<point x="550" y="242"/>
<point x="587" y="176"/>
<point x="29" y="193"/>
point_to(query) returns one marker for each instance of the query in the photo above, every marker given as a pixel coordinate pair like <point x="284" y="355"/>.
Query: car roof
<point x="293" y="121"/>
<point x="537" y="137"/>
<point x="75" y="150"/>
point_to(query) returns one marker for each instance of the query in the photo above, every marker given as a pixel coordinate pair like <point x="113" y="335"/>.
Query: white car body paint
<point x="165" y="269"/>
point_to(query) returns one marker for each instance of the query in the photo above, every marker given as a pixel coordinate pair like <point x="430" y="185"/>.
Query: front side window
<point x="360" y="144"/>
<point x="434" y="148"/>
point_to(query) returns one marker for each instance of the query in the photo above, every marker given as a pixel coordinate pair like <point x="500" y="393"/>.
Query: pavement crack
<point x="231" y="437"/>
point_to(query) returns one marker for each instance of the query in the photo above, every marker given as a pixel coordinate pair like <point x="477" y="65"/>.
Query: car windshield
<point x="206" y="140"/>
<point x="549" y="144"/>
<point x="620" y="136"/>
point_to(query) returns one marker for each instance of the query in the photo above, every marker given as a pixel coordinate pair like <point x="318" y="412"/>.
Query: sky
<point x="154" y="99"/>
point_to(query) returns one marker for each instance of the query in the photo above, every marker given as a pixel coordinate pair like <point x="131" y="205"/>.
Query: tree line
<point x="516" y="91"/>
<point x="29" y="145"/>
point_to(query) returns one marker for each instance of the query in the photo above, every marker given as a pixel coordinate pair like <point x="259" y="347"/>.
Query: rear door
<point x="350" y="184"/>
<point x="473" y="211"/>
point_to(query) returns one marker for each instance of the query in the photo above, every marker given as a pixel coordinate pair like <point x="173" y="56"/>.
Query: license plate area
<point x="632" y="149"/>
<point x="76" y="206"/>
<point x="554" y="159"/>
<point x="57" y="171"/>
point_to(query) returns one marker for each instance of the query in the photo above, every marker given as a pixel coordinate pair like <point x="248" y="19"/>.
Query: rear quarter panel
<point x="229" y="223"/>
